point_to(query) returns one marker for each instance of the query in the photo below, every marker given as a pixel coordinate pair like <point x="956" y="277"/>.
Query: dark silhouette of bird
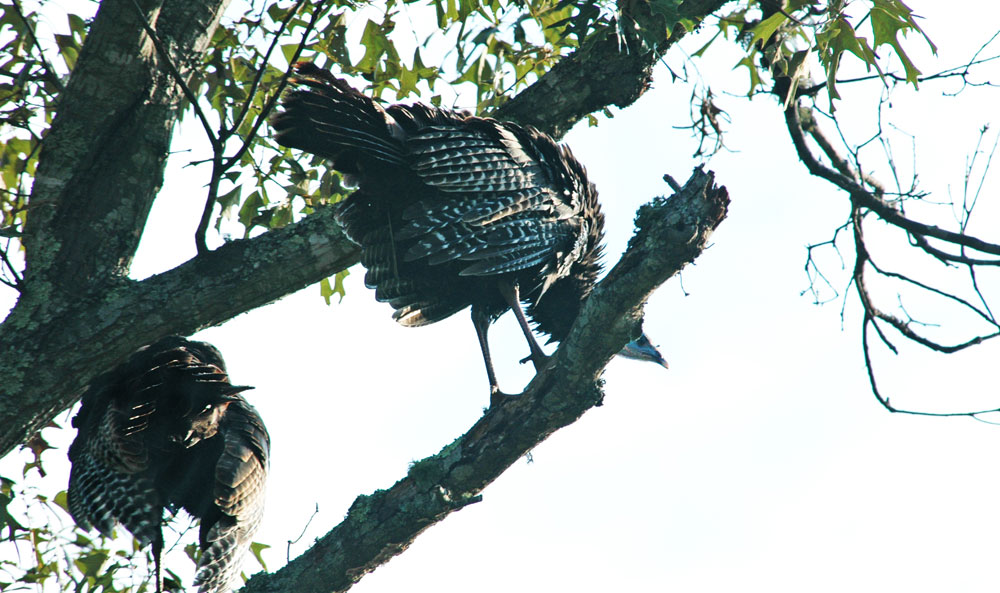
<point x="167" y="430"/>
<point x="453" y="210"/>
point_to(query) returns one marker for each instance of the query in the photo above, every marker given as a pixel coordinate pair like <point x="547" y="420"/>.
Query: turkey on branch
<point x="166" y="429"/>
<point x="453" y="211"/>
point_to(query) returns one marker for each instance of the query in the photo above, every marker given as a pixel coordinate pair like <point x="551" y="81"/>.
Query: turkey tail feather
<point x="326" y="116"/>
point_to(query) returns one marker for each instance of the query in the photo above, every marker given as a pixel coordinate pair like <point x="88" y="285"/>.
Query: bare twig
<point x="963" y="72"/>
<point x="868" y="196"/>
<point x="269" y="106"/>
<point x="885" y="210"/>
<point x="886" y="403"/>
<point x="18" y="282"/>
<point x="291" y="542"/>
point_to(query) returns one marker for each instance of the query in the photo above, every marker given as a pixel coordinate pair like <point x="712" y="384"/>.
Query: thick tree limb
<point x="671" y="234"/>
<point x="606" y="70"/>
<point x="205" y="291"/>
<point x="102" y="161"/>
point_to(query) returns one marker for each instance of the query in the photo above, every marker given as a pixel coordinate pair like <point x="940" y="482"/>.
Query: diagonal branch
<point x="671" y="233"/>
<point x="220" y="164"/>
<point x="45" y="369"/>
<point x="799" y="121"/>
<point x="604" y="71"/>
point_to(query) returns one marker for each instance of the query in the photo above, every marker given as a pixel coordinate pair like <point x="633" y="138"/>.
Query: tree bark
<point x="100" y="168"/>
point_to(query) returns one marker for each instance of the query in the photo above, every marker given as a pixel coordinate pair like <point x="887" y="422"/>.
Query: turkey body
<point x="167" y="430"/>
<point x="453" y="210"/>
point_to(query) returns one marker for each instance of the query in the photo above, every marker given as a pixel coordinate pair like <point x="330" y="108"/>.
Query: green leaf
<point x="227" y="201"/>
<point x="249" y="210"/>
<point x="61" y="500"/>
<point x="90" y="564"/>
<point x="256" y="548"/>
<point x="701" y="51"/>
<point x="836" y="38"/>
<point x="889" y="18"/>
<point x="288" y="50"/>
<point x="327" y="291"/>
<point x="77" y="25"/>
<point x="755" y="81"/>
<point x="6" y="519"/>
<point x="669" y="9"/>
<point x="282" y="216"/>
<point x="377" y="44"/>
<point x="765" y="29"/>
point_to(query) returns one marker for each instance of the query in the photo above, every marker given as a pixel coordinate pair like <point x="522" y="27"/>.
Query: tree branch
<point x="45" y="370"/>
<point x="671" y="233"/>
<point x="606" y="70"/>
<point x="104" y="155"/>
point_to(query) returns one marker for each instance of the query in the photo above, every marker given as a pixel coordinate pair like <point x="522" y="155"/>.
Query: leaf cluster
<point x="30" y="83"/>
<point x="782" y="37"/>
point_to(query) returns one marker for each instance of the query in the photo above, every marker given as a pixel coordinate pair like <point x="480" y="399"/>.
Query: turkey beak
<point x="229" y="394"/>
<point x="642" y="349"/>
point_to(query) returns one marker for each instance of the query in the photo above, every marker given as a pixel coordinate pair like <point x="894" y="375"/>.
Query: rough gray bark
<point x="100" y="169"/>
<point x="671" y="234"/>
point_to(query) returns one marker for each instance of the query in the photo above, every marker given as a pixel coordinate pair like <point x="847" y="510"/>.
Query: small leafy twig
<point x="219" y="163"/>
<point x="245" y="108"/>
<point x="50" y="73"/>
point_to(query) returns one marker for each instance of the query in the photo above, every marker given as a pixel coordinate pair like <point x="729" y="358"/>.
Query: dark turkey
<point x="453" y="210"/>
<point x="167" y="430"/>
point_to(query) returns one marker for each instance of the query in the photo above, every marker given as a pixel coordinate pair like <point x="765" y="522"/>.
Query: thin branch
<point x="949" y="258"/>
<point x="869" y="367"/>
<point x="937" y="291"/>
<point x="291" y="542"/>
<point x="219" y="164"/>
<point x="812" y="268"/>
<point x="18" y="283"/>
<point x="224" y="134"/>
<point x="867" y="199"/>
<point x="269" y="106"/>
<point x="200" y="233"/>
<point x="51" y="74"/>
<point x="953" y="72"/>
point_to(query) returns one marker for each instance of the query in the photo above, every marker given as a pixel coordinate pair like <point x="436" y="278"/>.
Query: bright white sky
<point x="760" y="461"/>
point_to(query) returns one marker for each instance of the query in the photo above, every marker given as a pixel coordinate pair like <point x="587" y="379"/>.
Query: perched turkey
<point x="454" y="210"/>
<point x="167" y="430"/>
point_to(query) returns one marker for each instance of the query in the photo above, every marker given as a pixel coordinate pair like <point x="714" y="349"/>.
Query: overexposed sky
<point x="760" y="461"/>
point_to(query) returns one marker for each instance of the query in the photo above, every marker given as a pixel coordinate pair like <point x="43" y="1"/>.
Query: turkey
<point x="453" y="211"/>
<point x="167" y="430"/>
